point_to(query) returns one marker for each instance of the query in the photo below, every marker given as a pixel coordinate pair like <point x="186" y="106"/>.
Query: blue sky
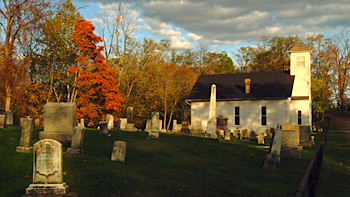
<point x="226" y="25"/>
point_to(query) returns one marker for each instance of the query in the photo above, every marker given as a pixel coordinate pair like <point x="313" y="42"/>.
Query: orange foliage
<point x="98" y="93"/>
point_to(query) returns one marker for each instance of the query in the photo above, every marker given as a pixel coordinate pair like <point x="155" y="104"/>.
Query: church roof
<point x="300" y="47"/>
<point x="264" y="85"/>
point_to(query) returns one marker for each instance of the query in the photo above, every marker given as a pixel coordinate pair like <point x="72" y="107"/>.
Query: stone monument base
<point x="74" y="151"/>
<point x="38" y="188"/>
<point x="22" y="149"/>
<point x="129" y="127"/>
<point x="272" y="161"/>
<point x="195" y="129"/>
<point x="61" y="136"/>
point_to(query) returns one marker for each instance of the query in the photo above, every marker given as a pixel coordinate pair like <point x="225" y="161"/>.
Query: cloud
<point x="194" y="37"/>
<point x="232" y="21"/>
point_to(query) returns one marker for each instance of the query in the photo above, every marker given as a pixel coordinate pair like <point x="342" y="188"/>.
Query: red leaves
<point x="98" y="91"/>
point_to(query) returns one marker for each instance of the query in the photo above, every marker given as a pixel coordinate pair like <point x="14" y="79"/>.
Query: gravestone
<point x="155" y="124"/>
<point x="2" y="121"/>
<point x="211" y="128"/>
<point x="221" y="133"/>
<point x="245" y="135"/>
<point x="119" y="151"/>
<point x="196" y="126"/>
<point x="174" y="126"/>
<point x="37" y="122"/>
<point x="121" y="123"/>
<point x="290" y="144"/>
<point x="148" y="125"/>
<point x="82" y="124"/>
<point x="25" y="143"/>
<point x="160" y="127"/>
<point x="130" y="124"/>
<point x="269" y="134"/>
<point x="227" y="135"/>
<point x="110" y="121"/>
<point x="47" y="169"/>
<point x="261" y="138"/>
<point x="77" y="142"/>
<point x="179" y="127"/>
<point x="235" y="133"/>
<point x="185" y="128"/>
<point x="305" y="136"/>
<point x="221" y="121"/>
<point x="292" y="127"/>
<point x="273" y="158"/>
<point x="103" y="128"/>
<point x="9" y="117"/>
<point x="59" y="122"/>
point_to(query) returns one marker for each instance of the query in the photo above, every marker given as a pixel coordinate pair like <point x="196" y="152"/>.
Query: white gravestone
<point x="47" y="169"/>
<point x="148" y="125"/>
<point x="155" y="124"/>
<point x="59" y="121"/>
<point x="110" y="121"/>
<point x="25" y="144"/>
<point x="174" y="126"/>
<point x="211" y="129"/>
<point x="119" y="151"/>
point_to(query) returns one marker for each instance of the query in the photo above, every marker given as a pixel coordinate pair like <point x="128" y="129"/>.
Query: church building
<point x="258" y="100"/>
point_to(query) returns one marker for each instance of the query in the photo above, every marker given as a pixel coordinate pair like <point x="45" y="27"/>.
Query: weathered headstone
<point x="37" y="122"/>
<point x="82" y="124"/>
<point x="221" y="133"/>
<point x="305" y="136"/>
<point x="121" y="123"/>
<point x="77" y="142"/>
<point x="290" y="144"/>
<point x="292" y="127"/>
<point x="227" y="135"/>
<point x="25" y="143"/>
<point x="59" y="122"/>
<point x="261" y="138"/>
<point x="272" y="159"/>
<point x="103" y="128"/>
<point x="148" y="125"/>
<point x="119" y="151"/>
<point x="235" y="133"/>
<point x="175" y="130"/>
<point x="196" y="126"/>
<point x="221" y="121"/>
<point x="269" y="134"/>
<point x="110" y="121"/>
<point x="130" y="124"/>
<point x="9" y="117"/>
<point x="245" y="135"/>
<point x="160" y="127"/>
<point x="2" y="121"/>
<point x="155" y="124"/>
<point x="211" y="129"/>
<point x="185" y="128"/>
<point x="47" y="169"/>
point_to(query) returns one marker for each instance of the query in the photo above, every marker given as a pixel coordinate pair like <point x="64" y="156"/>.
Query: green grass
<point x="176" y="165"/>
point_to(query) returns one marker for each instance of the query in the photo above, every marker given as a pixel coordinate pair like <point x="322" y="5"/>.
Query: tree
<point x="97" y="91"/>
<point x="16" y="18"/>
<point x="56" y="54"/>
<point x="338" y="51"/>
<point x="321" y="96"/>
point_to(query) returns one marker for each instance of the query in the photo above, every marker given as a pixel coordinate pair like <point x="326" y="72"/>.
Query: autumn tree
<point x="56" y="55"/>
<point x="16" y="18"/>
<point x="97" y="91"/>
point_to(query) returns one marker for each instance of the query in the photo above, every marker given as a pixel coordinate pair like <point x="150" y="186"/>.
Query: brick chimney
<point x="247" y="85"/>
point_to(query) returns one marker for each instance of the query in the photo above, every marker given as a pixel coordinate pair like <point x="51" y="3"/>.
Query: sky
<point x="227" y="25"/>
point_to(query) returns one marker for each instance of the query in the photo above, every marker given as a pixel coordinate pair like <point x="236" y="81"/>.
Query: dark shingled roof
<point x="264" y="85"/>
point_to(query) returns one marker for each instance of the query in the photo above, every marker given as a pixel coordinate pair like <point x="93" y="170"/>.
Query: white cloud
<point x="194" y="37"/>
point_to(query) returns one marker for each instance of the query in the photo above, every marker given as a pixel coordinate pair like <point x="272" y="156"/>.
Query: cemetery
<point x="142" y="163"/>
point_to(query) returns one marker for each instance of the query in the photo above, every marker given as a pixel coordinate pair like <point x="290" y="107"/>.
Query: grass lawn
<point x="177" y="165"/>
